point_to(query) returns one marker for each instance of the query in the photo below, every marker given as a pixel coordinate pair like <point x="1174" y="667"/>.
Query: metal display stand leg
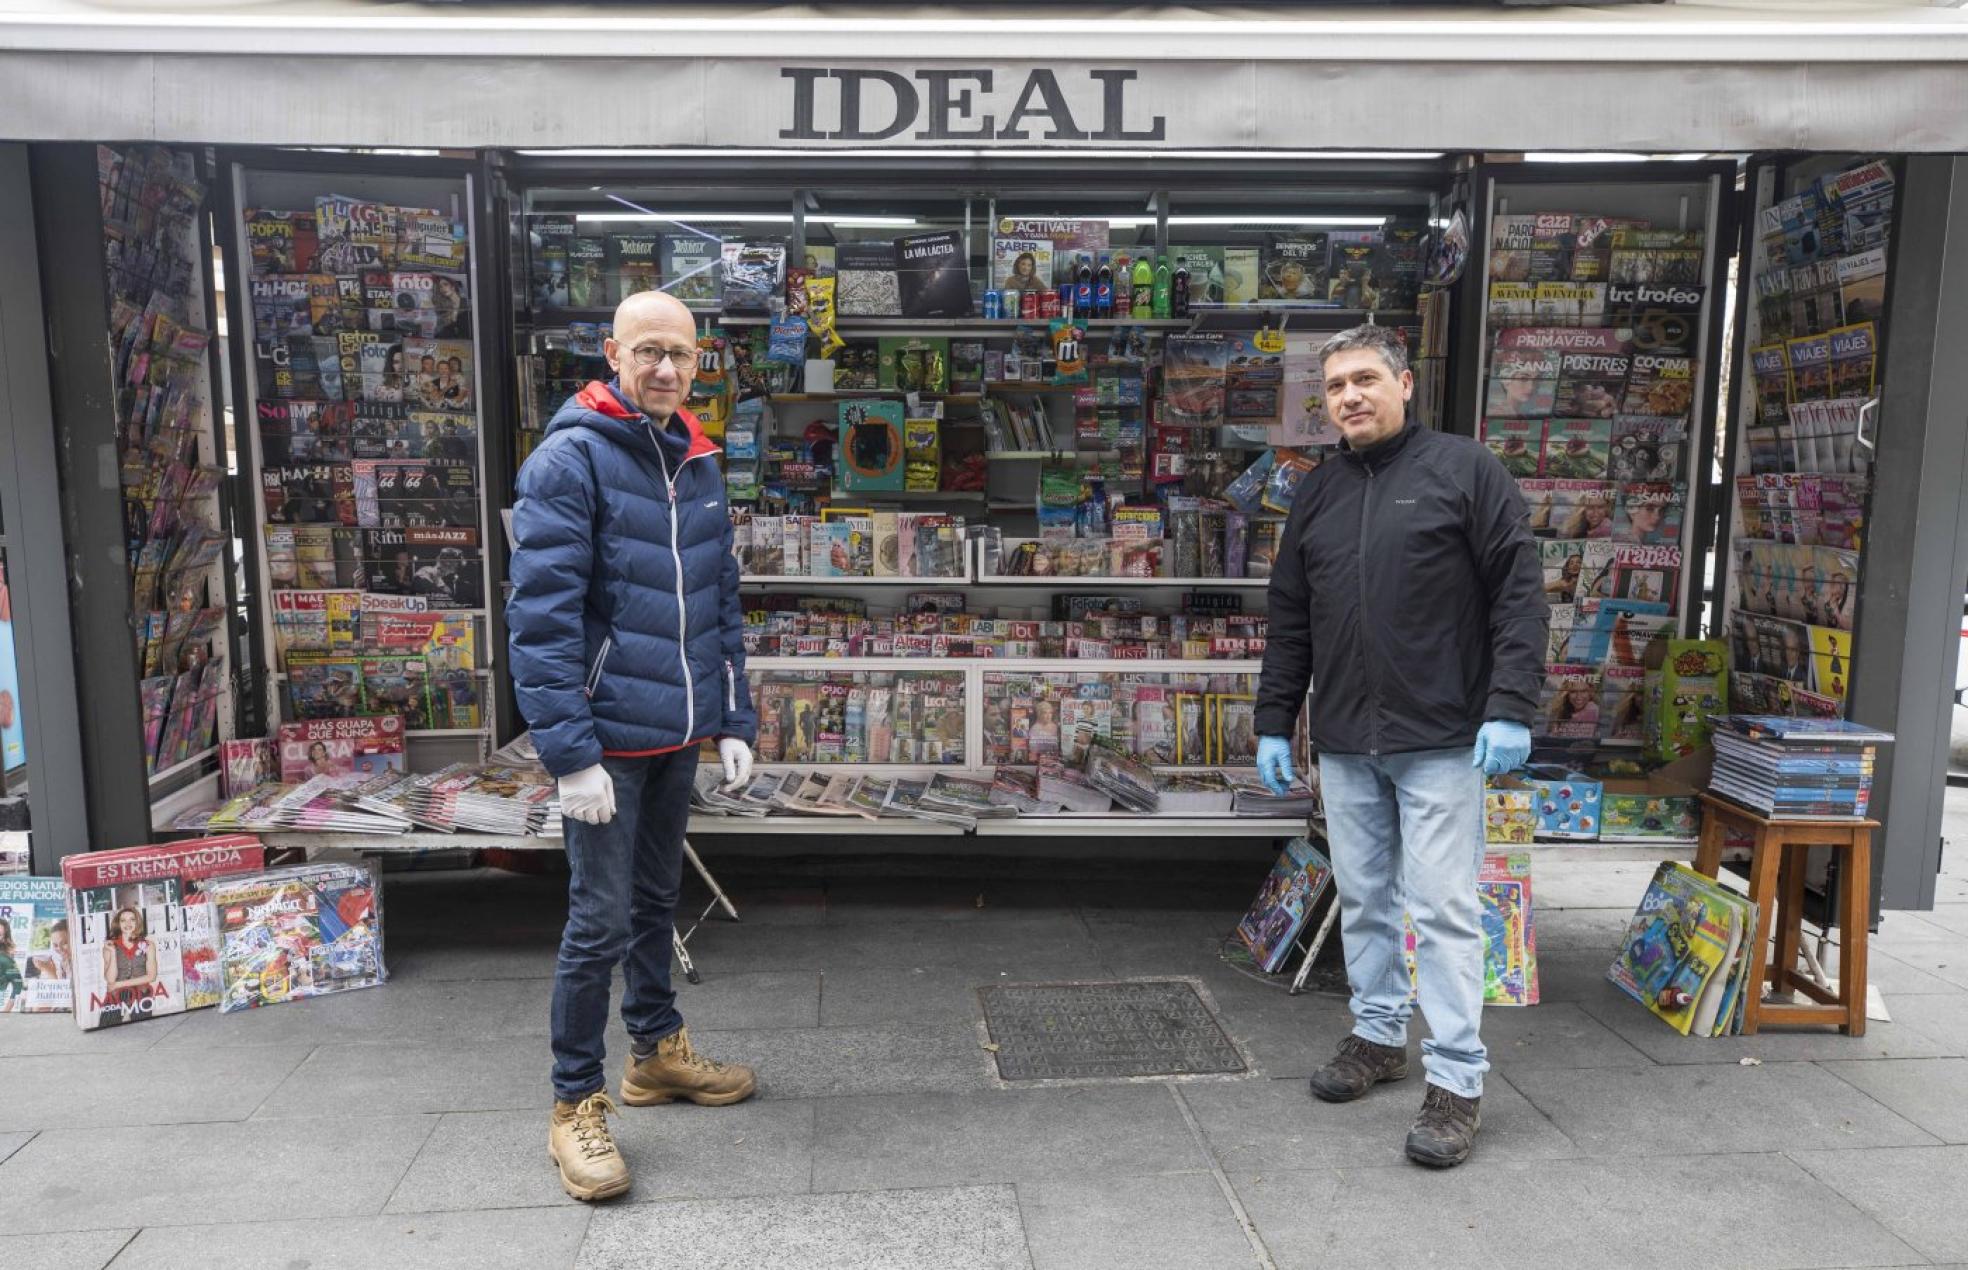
<point x="1318" y="942"/>
<point x="719" y="900"/>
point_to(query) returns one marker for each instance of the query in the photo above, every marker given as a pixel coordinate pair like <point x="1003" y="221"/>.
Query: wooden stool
<point x="1776" y="885"/>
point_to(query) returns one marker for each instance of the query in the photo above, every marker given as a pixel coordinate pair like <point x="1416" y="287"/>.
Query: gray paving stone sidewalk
<point x="405" y="1126"/>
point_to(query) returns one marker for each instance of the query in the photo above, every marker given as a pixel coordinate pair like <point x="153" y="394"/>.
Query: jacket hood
<point x="601" y="408"/>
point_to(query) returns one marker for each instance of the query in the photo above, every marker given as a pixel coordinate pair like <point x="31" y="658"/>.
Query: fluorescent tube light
<point x="750" y="218"/>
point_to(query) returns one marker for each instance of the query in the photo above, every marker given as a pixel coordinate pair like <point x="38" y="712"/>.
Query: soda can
<point x="1049" y="305"/>
<point x="1028" y="304"/>
<point x="1009" y="305"/>
<point x="992" y="304"/>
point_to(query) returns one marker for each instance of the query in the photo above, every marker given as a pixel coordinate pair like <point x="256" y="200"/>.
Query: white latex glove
<point x="737" y="759"/>
<point x="588" y="795"/>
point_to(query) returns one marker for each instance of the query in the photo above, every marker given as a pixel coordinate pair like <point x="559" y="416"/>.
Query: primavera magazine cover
<point x="36" y="958"/>
<point x="1283" y="904"/>
<point x="293" y="933"/>
<point x="144" y="934"/>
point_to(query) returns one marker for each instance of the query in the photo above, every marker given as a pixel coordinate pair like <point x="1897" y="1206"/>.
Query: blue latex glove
<point x="1274" y="763"/>
<point x="1501" y="746"/>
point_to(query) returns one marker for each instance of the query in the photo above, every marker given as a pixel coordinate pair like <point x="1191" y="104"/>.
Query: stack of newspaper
<point x="963" y="796"/>
<point x="1249" y="797"/>
<point x="324" y="804"/>
<point x="907" y="798"/>
<point x="1070" y="788"/>
<point x="333" y="804"/>
<point x="517" y="801"/>
<point x="1018" y="789"/>
<point x="1126" y="779"/>
<point x="707" y="795"/>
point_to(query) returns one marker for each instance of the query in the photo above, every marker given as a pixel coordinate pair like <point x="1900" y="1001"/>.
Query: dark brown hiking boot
<point x="675" y="1070"/>
<point x="1445" y="1131"/>
<point x="1357" y="1067"/>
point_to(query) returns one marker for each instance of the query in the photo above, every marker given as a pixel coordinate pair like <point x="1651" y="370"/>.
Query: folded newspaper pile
<point x="1249" y="797"/>
<point x="490" y="798"/>
<point x="323" y="804"/>
<point x="1126" y="779"/>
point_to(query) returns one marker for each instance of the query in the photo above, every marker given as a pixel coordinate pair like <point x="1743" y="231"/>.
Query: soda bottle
<point x="1083" y="288"/>
<point x="1179" y="289"/>
<point x="1123" y="285"/>
<point x="1144" y="288"/>
<point x="1103" y="291"/>
<point x="1164" y="287"/>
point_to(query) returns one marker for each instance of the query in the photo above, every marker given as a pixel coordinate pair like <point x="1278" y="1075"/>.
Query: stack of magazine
<point x="519" y="801"/>
<point x="1126" y="779"/>
<point x="1795" y="767"/>
<point x="1690" y="953"/>
<point x="1249" y="797"/>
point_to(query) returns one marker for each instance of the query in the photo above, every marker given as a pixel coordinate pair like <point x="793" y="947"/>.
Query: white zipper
<point x="683" y="611"/>
<point x="730" y="688"/>
<point x="594" y="671"/>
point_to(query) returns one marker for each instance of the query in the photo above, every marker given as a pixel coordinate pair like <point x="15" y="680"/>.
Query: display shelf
<point x="1144" y="826"/>
<point x="823" y="825"/>
<point x="1072" y="581"/>
<point x="1604" y="851"/>
<point x="187" y="764"/>
<point x="1012" y="665"/>
<point x="802" y="579"/>
<point x="858" y="394"/>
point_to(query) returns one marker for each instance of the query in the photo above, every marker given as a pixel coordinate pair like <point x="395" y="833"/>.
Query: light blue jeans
<point x="1407" y="832"/>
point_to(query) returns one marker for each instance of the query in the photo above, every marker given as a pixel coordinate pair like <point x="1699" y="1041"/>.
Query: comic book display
<point x="1819" y="275"/>
<point x="1688" y="955"/>
<point x="167" y="462"/>
<point x="367" y="443"/>
<point x="1284" y="903"/>
<point x="144" y="933"/>
<point x="289" y="934"/>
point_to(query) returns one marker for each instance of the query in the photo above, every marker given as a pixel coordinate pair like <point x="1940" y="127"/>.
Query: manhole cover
<point x="1062" y="1031"/>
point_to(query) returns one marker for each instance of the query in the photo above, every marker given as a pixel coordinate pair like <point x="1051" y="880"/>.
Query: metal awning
<point x="1730" y="76"/>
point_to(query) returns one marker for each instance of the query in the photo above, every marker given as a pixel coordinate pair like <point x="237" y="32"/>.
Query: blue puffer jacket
<point x="624" y="617"/>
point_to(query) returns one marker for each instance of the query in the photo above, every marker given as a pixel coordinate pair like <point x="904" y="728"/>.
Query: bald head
<point x="646" y="306"/>
<point x="654" y="351"/>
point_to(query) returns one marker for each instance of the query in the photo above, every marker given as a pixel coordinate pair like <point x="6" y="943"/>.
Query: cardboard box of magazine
<point x="1661" y="805"/>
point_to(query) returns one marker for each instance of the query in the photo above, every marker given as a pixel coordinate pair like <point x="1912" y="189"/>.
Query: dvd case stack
<point x="1786" y="767"/>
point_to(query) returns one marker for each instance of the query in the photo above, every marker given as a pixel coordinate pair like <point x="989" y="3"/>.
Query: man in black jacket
<point x="1407" y="592"/>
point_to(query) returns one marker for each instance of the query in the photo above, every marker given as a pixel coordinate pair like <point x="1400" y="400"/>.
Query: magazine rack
<point x="1776" y="872"/>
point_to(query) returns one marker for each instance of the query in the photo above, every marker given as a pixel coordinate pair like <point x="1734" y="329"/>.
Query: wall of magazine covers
<point x="1597" y="325"/>
<point x="170" y="466"/>
<point x="362" y="404"/>
<point x="1816" y="278"/>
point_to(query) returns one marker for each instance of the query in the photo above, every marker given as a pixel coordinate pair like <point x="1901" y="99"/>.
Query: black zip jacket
<point x="1407" y="591"/>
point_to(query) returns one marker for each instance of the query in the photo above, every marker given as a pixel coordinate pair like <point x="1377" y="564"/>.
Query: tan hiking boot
<point x="677" y="1071"/>
<point x="591" y="1167"/>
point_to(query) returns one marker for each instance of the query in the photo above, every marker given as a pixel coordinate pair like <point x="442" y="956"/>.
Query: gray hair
<point x="1384" y="340"/>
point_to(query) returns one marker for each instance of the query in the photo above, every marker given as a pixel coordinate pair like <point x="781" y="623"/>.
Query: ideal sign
<point x="978" y="104"/>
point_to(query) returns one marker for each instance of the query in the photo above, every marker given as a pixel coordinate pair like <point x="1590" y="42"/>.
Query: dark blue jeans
<point x="621" y="907"/>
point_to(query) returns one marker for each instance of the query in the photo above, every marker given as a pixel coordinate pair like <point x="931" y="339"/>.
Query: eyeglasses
<point x="681" y="358"/>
